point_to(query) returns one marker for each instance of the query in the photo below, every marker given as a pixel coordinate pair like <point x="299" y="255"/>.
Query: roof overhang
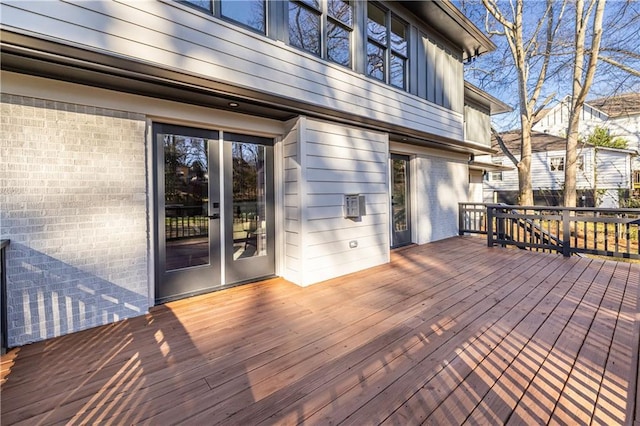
<point x="40" y="57"/>
<point x="447" y="20"/>
<point x="479" y="96"/>
<point x="488" y="167"/>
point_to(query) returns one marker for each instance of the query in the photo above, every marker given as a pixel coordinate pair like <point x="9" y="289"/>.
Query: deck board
<point x="451" y="332"/>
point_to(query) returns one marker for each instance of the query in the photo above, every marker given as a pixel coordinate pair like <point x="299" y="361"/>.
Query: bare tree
<point x="531" y="54"/>
<point x="582" y="79"/>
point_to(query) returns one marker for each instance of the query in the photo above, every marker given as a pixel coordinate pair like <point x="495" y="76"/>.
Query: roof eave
<point x="445" y="18"/>
<point x="480" y="96"/>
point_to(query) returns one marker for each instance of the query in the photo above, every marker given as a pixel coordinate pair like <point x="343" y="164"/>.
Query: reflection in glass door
<point x="400" y="201"/>
<point x="187" y="252"/>
<point x="249" y="207"/>
<point x="190" y="234"/>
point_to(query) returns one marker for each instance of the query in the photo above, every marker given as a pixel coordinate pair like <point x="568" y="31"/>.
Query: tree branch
<point x="503" y="147"/>
<point x="623" y="67"/>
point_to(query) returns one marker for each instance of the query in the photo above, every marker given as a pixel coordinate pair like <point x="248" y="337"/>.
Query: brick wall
<point x="441" y="184"/>
<point x="73" y="203"/>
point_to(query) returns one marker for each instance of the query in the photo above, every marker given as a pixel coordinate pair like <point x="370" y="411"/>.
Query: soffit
<point x="39" y="57"/>
<point x="445" y="18"/>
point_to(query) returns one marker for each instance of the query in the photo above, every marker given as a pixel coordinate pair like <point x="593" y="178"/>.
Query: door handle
<point x="214" y="216"/>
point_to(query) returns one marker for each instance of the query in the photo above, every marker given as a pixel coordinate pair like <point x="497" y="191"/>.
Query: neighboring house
<point x="603" y="176"/>
<point x="619" y="114"/>
<point x="160" y="149"/>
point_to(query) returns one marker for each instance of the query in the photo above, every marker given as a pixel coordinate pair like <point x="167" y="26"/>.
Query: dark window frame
<point x="387" y="46"/>
<point x="321" y="10"/>
<point x="215" y="9"/>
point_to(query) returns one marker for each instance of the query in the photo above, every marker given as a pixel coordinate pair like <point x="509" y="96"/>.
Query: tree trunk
<point x="525" y="187"/>
<point x="582" y="79"/>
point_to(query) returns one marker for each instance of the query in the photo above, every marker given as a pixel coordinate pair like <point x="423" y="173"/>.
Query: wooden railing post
<point x="489" y="226"/>
<point x="566" y="232"/>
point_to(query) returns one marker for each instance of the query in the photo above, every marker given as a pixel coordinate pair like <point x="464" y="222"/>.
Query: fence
<point x="606" y="232"/>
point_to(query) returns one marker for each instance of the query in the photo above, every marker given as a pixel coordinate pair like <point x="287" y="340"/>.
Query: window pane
<point x="186" y="195"/>
<point x="398" y="36"/>
<point x="556" y="164"/>
<point x="304" y="28"/>
<point x="203" y="4"/>
<point x="376" y="26"/>
<point x="247" y="12"/>
<point x="249" y="200"/>
<point x="375" y="61"/>
<point x="397" y="76"/>
<point x="338" y="44"/>
<point x="341" y="10"/>
<point x="400" y="190"/>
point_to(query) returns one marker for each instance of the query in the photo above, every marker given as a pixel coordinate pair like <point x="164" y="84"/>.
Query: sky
<point x="495" y="73"/>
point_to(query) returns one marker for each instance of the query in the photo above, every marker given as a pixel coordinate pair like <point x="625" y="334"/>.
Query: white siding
<point x="613" y="169"/>
<point x="174" y="36"/>
<point x="542" y="176"/>
<point x="338" y="160"/>
<point x="292" y="199"/>
<point x="627" y="127"/>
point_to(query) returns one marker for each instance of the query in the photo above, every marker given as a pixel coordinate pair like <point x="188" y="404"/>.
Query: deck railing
<point x="3" y="295"/>
<point x="605" y="232"/>
<point x="185" y="222"/>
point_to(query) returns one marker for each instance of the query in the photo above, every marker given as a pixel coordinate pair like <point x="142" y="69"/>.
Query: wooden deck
<point x="451" y="332"/>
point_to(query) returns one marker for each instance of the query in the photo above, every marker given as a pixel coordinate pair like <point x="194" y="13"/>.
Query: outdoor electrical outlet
<point x="353" y="244"/>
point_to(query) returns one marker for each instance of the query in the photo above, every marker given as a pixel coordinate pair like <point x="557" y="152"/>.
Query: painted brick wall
<point x="441" y="184"/>
<point x="73" y="203"/>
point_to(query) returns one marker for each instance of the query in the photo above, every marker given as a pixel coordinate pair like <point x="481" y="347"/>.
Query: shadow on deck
<point x="451" y="332"/>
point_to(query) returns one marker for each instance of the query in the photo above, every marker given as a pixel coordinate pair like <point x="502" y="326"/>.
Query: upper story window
<point x="248" y="13"/>
<point x="304" y="25"/>
<point x="323" y="33"/>
<point x="387" y="54"/>
<point x="339" y="29"/>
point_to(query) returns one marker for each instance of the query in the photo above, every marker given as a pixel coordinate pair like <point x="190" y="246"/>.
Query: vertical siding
<point x="343" y="160"/>
<point x="441" y="73"/>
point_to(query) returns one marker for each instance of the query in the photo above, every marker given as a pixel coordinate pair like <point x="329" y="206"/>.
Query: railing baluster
<point x="556" y="229"/>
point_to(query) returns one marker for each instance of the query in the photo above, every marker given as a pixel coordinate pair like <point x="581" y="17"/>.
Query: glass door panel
<point x="249" y="208"/>
<point x="249" y="200"/>
<point x="186" y="198"/>
<point x="187" y="222"/>
<point x="400" y="201"/>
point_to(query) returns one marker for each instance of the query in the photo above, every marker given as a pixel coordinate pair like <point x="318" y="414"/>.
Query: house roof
<point x="616" y="106"/>
<point x="540" y="142"/>
<point x="612" y="106"/>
